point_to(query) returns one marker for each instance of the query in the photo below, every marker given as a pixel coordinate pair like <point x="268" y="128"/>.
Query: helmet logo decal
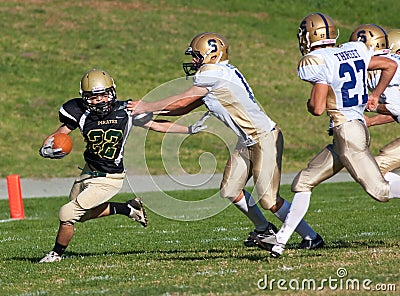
<point x="213" y="45"/>
<point x="361" y="36"/>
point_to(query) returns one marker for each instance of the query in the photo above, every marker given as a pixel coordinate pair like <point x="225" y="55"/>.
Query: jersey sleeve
<point x="70" y="112"/>
<point x="312" y="68"/>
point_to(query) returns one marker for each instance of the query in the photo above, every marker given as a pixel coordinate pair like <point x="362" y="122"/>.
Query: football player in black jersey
<point x="104" y="123"/>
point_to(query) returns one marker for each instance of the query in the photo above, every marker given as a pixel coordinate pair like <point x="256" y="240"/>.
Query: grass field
<point x="46" y="46"/>
<point x="115" y="256"/>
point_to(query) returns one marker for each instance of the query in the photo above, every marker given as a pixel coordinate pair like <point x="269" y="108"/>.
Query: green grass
<point x="46" y="46"/>
<point x="115" y="256"/>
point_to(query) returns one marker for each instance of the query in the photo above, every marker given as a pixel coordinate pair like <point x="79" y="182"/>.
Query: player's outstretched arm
<point x="170" y="103"/>
<point x="165" y="126"/>
<point x="378" y="119"/>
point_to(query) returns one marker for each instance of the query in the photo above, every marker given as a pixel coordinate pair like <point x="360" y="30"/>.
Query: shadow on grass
<point x="340" y="244"/>
<point x="240" y="253"/>
<point x="253" y="254"/>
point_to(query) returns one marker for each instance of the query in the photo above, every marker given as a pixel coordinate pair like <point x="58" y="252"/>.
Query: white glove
<point x="198" y="126"/>
<point x="47" y="150"/>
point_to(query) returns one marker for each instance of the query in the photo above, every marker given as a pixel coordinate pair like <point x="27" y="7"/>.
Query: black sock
<point x="59" y="249"/>
<point x="119" y="208"/>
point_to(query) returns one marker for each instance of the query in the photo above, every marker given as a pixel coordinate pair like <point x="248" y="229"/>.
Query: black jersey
<point x="105" y="137"/>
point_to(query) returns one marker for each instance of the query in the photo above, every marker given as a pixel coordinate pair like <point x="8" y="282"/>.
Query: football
<point x="142" y="118"/>
<point x="62" y="141"/>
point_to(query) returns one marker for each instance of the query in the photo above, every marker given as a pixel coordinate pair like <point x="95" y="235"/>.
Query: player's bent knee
<point x="229" y="194"/>
<point x="66" y="213"/>
<point x="268" y="203"/>
<point x="71" y="213"/>
<point x="379" y="194"/>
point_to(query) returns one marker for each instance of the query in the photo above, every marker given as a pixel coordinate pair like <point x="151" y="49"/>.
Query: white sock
<point x="394" y="183"/>
<point x="248" y="206"/>
<point x="297" y="211"/>
<point x="391" y="177"/>
<point x="394" y="191"/>
<point x="303" y="228"/>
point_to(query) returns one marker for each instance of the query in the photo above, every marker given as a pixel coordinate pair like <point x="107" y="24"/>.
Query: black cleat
<point x="138" y="212"/>
<point x="249" y="241"/>
<point x="311" y="244"/>
<point x="269" y="243"/>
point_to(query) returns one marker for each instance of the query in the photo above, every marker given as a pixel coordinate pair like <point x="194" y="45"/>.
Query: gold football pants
<point x="263" y="162"/>
<point x="350" y="149"/>
<point x="87" y="193"/>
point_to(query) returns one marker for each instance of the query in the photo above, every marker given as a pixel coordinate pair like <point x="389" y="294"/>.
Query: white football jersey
<point x="391" y="95"/>
<point x="344" y="69"/>
<point x="232" y="101"/>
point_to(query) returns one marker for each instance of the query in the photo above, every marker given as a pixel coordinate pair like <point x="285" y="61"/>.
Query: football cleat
<point x="269" y="243"/>
<point x="311" y="244"/>
<point x="249" y="241"/>
<point x="138" y="212"/>
<point x="51" y="257"/>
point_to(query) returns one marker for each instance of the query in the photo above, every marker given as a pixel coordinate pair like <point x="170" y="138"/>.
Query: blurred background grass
<point x="46" y="47"/>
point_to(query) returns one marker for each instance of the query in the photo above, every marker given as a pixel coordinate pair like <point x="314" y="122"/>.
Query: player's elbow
<point x="393" y="65"/>
<point x="315" y="110"/>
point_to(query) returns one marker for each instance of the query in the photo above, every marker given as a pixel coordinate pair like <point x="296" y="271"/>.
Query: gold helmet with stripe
<point x="316" y="29"/>
<point x="373" y="36"/>
<point x="206" y="48"/>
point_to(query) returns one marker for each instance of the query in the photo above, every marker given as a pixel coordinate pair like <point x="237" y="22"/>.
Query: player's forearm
<point x="171" y="104"/>
<point x="167" y="127"/>
<point x="378" y="119"/>
<point x="316" y="105"/>
<point x="168" y="104"/>
<point x="388" y="68"/>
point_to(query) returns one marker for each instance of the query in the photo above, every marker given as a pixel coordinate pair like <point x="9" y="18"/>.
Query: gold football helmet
<point x="394" y="40"/>
<point x="206" y="48"/>
<point x="373" y="36"/>
<point x="316" y="29"/>
<point x="97" y="82"/>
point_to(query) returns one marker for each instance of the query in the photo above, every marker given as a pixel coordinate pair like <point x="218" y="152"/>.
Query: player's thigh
<point x="92" y="192"/>
<point x="236" y="173"/>
<point x="267" y="163"/>
<point x="352" y="145"/>
<point x="78" y="186"/>
<point x="97" y="191"/>
<point x="323" y="166"/>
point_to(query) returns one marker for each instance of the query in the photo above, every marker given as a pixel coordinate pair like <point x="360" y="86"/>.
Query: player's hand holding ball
<point x="56" y="147"/>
